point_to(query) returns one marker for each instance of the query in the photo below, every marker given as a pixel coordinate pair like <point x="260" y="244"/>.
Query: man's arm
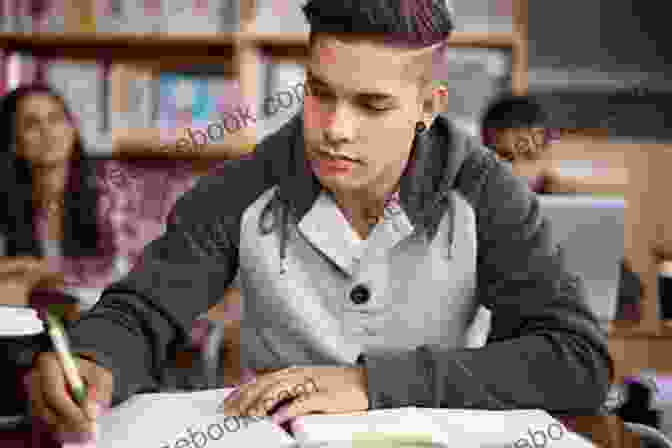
<point x="545" y="349"/>
<point x="141" y="319"/>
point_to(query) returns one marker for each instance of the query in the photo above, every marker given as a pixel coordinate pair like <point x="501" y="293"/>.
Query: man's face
<point x="520" y="144"/>
<point x="360" y="104"/>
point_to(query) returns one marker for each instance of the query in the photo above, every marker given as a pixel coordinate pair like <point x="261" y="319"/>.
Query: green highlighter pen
<point x="60" y="340"/>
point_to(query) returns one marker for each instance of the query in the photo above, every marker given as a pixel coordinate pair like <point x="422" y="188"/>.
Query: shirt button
<point x="360" y="294"/>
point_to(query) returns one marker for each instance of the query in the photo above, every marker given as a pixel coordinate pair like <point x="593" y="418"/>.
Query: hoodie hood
<point x="425" y="188"/>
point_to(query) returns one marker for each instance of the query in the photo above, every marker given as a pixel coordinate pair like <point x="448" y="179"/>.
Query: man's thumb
<point x="96" y="402"/>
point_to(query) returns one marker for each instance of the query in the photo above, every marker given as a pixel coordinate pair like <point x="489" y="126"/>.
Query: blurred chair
<point x="589" y="230"/>
<point x="648" y="436"/>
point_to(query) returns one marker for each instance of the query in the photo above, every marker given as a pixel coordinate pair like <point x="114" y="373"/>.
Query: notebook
<point x="167" y="420"/>
<point x="180" y="419"/>
<point x="412" y="426"/>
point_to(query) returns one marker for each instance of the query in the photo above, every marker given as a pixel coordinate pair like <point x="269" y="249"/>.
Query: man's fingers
<point x="57" y="396"/>
<point x="38" y="405"/>
<point x="272" y="395"/>
<point x="19" y="264"/>
<point x="101" y="385"/>
<point x="256" y="399"/>
<point x="311" y="403"/>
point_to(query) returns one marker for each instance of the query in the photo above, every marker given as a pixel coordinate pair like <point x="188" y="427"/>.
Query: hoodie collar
<point x="424" y="188"/>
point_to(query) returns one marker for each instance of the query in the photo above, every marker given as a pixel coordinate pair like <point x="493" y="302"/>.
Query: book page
<point x="439" y="427"/>
<point x="180" y="419"/>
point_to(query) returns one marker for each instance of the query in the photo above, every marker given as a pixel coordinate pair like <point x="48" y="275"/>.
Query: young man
<point x="515" y="128"/>
<point x="366" y="233"/>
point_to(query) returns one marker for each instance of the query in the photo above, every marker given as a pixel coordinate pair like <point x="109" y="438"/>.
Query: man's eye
<point x="372" y="108"/>
<point x="317" y="91"/>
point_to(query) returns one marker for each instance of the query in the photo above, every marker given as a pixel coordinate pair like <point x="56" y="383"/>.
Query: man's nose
<point x="341" y="126"/>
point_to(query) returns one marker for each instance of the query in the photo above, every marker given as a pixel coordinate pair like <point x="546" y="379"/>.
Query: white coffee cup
<point x="19" y="321"/>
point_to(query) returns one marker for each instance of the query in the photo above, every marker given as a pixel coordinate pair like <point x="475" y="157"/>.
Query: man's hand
<point x="19" y="275"/>
<point x="301" y="391"/>
<point x="51" y="401"/>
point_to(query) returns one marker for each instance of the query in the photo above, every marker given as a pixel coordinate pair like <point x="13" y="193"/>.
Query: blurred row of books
<point x="122" y="96"/>
<point x="119" y="16"/>
<point x="203" y="16"/>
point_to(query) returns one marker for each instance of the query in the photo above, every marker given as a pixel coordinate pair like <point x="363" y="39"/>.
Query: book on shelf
<point x="212" y="105"/>
<point x="229" y="14"/>
<point x="22" y="16"/>
<point x="280" y="16"/>
<point x="483" y="16"/>
<point x="7" y="16"/>
<point x="184" y="99"/>
<point x="50" y="17"/>
<point x="81" y="84"/>
<point x="281" y="96"/>
<point x="4" y="57"/>
<point x="185" y="102"/>
<point x="191" y="16"/>
<point x="54" y="16"/>
<point x="167" y="16"/>
<point x="131" y="99"/>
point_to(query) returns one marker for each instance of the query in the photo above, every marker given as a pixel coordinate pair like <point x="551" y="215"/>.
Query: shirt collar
<point x="429" y="175"/>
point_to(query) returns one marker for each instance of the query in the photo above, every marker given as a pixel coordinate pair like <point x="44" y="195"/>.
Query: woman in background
<point x="70" y="224"/>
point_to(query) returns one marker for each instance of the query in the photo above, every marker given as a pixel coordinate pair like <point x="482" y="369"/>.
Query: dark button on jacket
<point x="360" y="294"/>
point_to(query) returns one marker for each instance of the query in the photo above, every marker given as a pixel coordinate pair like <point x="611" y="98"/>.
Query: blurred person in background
<point x="516" y="129"/>
<point x="70" y="224"/>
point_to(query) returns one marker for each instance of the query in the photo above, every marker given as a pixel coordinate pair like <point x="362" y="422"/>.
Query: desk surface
<point x="604" y="431"/>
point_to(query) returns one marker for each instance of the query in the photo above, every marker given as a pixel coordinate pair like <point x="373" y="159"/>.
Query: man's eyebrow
<point x="371" y="96"/>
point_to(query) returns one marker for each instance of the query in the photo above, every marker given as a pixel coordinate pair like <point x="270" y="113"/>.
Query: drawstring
<point x="451" y="216"/>
<point x="447" y="195"/>
<point x="283" y="239"/>
<point x="267" y="224"/>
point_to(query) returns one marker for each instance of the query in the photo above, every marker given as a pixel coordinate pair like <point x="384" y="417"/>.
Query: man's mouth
<point x="336" y="158"/>
<point x="326" y="163"/>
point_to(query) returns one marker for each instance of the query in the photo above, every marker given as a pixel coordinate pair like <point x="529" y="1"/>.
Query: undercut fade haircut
<point x="410" y="24"/>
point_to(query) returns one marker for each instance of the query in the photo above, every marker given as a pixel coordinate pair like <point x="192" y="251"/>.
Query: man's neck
<point x="366" y="205"/>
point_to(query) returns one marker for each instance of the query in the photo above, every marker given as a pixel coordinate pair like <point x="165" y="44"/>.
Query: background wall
<point x="602" y="63"/>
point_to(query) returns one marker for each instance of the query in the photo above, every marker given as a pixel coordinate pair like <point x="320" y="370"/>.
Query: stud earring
<point x="420" y="127"/>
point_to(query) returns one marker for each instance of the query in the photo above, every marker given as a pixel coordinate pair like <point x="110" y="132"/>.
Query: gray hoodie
<point x="464" y="234"/>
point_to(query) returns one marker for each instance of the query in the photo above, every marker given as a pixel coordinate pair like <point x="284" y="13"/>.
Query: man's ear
<point x="434" y="101"/>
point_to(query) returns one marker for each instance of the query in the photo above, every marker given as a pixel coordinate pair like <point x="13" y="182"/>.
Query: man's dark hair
<point x="414" y="23"/>
<point x="512" y="112"/>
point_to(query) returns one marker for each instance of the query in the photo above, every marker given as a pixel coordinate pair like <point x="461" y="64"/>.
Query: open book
<point x="190" y="419"/>
<point x="178" y="420"/>
<point x="464" y="428"/>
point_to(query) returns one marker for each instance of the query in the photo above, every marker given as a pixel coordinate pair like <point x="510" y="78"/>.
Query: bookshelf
<point x="648" y="232"/>
<point x="236" y="54"/>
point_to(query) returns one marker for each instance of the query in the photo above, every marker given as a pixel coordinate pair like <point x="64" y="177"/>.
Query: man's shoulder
<point x="487" y="183"/>
<point x="475" y="163"/>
